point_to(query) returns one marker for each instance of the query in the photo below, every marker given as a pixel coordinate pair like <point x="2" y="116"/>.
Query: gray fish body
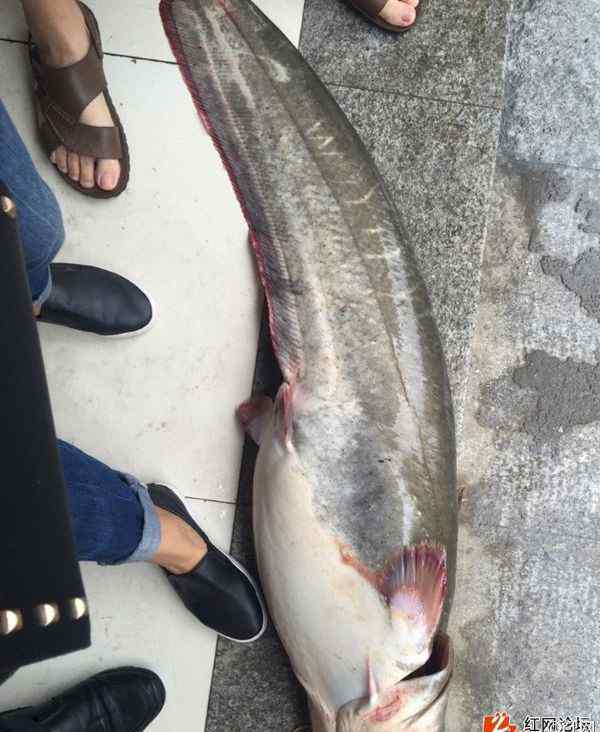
<point x="357" y="460"/>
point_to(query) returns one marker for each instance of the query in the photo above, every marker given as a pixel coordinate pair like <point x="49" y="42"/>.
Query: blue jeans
<point x="113" y="517"/>
<point x="40" y="222"/>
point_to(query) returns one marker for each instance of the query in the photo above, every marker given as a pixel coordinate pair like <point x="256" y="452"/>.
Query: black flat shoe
<point x="96" y="301"/>
<point x="121" y="700"/>
<point x="218" y="591"/>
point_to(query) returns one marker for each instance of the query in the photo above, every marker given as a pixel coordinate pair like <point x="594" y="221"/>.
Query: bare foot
<point x="62" y="37"/>
<point x="400" y="13"/>
<point x="181" y="548"/>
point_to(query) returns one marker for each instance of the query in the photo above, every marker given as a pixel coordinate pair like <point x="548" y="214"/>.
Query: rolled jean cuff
<point x="150" y="541"/>
<point x="45" y="293"/>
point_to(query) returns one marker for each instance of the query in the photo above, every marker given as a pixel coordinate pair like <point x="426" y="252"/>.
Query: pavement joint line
<point x="106" y="53"/>
<point x="396" y="93"/>
<point x="211" y="500"/>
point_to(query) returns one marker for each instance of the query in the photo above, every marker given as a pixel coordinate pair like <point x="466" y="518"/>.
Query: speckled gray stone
<point x="437" y="159"/>
<point x="456" y="50"/>
<point x="552" y="90"/>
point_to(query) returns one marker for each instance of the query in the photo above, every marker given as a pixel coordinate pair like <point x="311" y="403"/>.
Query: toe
<point x="73" y="165"/>
<point x="61" y="159"/>
<point x="107" y="174"/>
<point x="399" y="13"/>
<point x="86" y="174"/>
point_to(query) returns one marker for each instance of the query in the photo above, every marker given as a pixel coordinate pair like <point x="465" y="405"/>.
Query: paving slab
<point x="455" y="52"/>
<point x="552" y="92"/>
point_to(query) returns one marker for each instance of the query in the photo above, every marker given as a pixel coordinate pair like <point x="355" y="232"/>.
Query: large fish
<point x="355" y="513"/>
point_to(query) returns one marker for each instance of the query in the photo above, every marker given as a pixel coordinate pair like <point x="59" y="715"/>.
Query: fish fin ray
<point x="274" y="271"/>
<point x="253" y="414"/>
<point x="415" y="584"/>
<point x="285" y="412"/>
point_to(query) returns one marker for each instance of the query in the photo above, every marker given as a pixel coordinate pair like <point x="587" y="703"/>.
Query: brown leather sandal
<point x="62" y="94"/>
<point x="371" y="9"/>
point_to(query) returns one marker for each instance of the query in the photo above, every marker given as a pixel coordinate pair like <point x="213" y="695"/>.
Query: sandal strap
<point x="95" y="142"/>
<point x="63" y="94"/>
<point x="371" y="7"/>
<point x="70" y="88"/>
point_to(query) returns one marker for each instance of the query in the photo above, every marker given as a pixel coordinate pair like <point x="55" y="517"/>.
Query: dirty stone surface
<point x="552" y="93"/>
<point x="524" y="622"/>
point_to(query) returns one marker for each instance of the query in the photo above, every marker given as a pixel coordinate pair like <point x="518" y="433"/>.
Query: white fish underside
<point x="370" y="464"/>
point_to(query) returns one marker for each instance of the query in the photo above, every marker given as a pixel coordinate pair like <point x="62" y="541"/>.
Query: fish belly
<point x="332" y="622"/>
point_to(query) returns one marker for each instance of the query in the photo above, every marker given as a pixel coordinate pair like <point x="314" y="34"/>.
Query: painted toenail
<point x="107" y="181"/>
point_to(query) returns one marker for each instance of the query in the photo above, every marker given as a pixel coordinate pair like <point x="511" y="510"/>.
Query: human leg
<point x="38" y="214"/>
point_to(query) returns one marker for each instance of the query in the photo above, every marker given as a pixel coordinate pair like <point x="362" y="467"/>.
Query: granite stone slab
<point x="552" y="90"/>
<point x="525" y="617"/>
<point x="437" y="159"/>
<point x="456" y="51"/>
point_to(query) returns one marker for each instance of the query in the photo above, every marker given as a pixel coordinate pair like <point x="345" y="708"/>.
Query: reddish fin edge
<point x="416" y="573"/>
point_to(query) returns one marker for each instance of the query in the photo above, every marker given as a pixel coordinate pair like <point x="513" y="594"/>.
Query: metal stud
<point x="47" y="613"/>
<point x="8" y="206"/>
<point x="78" y="608"/>
<point x="11" y="621"/>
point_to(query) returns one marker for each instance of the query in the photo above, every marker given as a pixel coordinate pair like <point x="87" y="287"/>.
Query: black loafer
<point x="96" y="301"/>
<point x="121" y="700"/>
<point x="218" y="591"/>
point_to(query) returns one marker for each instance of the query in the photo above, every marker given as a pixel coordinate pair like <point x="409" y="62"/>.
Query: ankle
<point x="59" y="49"/>
<point x="181" y="548"/>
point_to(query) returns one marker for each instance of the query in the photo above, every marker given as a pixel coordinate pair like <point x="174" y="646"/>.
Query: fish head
<point x="415" y="704"/>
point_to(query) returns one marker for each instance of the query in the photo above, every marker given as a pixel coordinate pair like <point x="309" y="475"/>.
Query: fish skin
<point x="357" y="458"/>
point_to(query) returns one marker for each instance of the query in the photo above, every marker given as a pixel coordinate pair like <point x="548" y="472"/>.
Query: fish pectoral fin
<point x="286" y="407"/>
<point x="254" y="415"/>
<point x="415" y="583"/>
